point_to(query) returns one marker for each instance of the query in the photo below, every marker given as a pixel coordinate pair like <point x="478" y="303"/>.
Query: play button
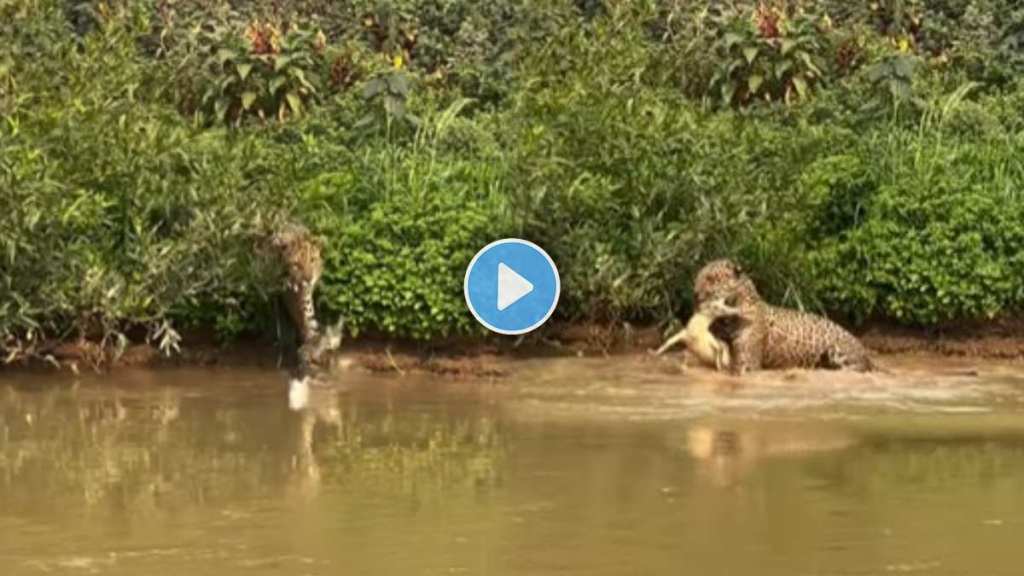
<point x="512" y="286"/>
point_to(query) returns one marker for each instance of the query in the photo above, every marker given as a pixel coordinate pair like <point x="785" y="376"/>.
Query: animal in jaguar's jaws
<point x="698" y="338"/>
<point x="766" y="336"/>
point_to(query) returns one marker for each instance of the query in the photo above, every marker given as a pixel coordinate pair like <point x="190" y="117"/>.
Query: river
<point x="606" y="466"/>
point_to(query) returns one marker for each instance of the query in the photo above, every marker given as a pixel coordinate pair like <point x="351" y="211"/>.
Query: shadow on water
<point x="604" y="466"/>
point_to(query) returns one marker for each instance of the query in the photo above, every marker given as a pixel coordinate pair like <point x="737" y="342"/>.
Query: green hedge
<point x="860" y="160"/>
<point x="937" y="235"/>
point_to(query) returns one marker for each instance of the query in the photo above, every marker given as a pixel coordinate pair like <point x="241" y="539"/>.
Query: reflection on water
<point x="573" y="467"/>
<point x="69" y="447"/>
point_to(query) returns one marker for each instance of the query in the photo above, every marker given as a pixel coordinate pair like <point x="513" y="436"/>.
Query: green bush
<point x="615" y="177"/>
<point x="136" y="168"/>
<point x="940" y="239"/>
<point x="402" y="219"/>
<point x="401" y="227"/>
<point x="768" y="55"/>
<point x="837" y="192"/>
<point x="236" y="67"/>
<point x="113" y="212"/>
<point x="398" y="268"/>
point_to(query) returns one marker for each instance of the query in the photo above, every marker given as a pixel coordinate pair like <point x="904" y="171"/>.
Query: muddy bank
<point x="491" y="356"/>
<point x="1000" y="338"/>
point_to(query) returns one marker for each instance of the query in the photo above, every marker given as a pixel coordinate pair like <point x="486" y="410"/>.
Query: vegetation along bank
<point x="862" y="159"/>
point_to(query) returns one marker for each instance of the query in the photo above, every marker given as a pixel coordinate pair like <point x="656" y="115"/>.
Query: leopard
<point x="707" y="280"/>
<point x="698" y="338"/>
<point x="300" y="253"/>
<point x="763" y="336"/>
<point x="712" y="275"/>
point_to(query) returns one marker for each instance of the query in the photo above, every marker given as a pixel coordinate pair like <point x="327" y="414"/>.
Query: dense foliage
<point x="860" y="158"/>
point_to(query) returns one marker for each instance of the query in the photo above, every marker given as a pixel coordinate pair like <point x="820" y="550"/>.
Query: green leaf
<point x="394" y="107"/>
<point x="373" y="87"/>
<point x="294" y="102"/>
<point x="750" y="53"/>
<point x="801" y="86"/>
<point x="399" y="84"/>
<point x="754" y="82"/>
<point x="787" y="45"/>
<point x="904" y="67"/>
<point x="220" y="108"/>
<point x="728" y="93"/>
<point x="781" y="69"/>
<point x="809" y="62"/>
<point x="275" y="83"/>
<point x="282" y="61"/>
<point x="731" y="39"/>
<point x="299" y="75"/>
<point x="243" y="70"/>
<point x="247" y="99"/>
<point x="225" y="54"/>
<point x="876" y="73"/>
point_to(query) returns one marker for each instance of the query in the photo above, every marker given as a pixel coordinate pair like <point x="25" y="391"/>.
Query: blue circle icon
<point x="512" y="286"/>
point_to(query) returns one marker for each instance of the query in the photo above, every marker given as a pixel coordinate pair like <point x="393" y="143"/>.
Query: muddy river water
<point x="589" y="467"/>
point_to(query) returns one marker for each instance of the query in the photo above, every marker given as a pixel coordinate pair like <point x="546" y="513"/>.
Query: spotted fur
<point x="711" y="276"/>
<point x="766" y="336"/>
<point x="300" y="252"/>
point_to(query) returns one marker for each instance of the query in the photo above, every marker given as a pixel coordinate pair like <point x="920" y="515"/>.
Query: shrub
<point x="113" y="212"/>
<point x="837" y="192"/>
<point x="238" y="68"/>
<point x="124" y="219"/>
<point x="768" y="55"/>
<point x="402" y="224"/>
<point x="398" y="268"/>
<point x="940" y="240"/>
<point x="428" y="129"/>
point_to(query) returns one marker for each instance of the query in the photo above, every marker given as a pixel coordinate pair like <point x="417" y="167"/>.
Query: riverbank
<point x="493" y="356"/>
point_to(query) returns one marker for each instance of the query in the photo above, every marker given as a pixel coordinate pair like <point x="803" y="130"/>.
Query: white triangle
<point x="511" y="286"/>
